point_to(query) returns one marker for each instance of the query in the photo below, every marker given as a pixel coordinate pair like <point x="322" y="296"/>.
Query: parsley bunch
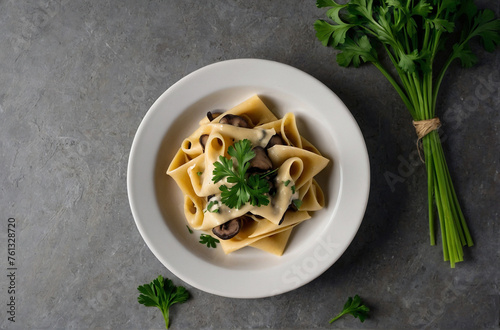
<point x="414" y="35"/>
<point x="162" y="293"/>
<point x="247" y="187"/>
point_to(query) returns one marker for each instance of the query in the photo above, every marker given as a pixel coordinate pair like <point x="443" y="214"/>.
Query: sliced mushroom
<point x="261" y="162"/>
<point x="203" y="141"/>
<point x="212" y="115"/>
<point x="275" y="139"/>
<point x="234" y="120"/>
<point x="228" y="229"/>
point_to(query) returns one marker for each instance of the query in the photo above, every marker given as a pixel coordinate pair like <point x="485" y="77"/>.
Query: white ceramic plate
<point x="314" y="245"/>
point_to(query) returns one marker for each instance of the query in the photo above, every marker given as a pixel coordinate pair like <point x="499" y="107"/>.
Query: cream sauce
<point x="274" y="211"/>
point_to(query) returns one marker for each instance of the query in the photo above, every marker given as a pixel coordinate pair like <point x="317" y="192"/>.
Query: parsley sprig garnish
<point x="248" y="188"/>
<point x="162" y="293"/>
<point x="354" y="307"/>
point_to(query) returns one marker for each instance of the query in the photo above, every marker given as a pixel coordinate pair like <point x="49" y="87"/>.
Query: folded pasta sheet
<point x="248" y="177"/>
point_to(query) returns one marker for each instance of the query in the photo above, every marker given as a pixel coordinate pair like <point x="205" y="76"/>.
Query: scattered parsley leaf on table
<point x="162" y="293"/>
<point x="354" y="307"/>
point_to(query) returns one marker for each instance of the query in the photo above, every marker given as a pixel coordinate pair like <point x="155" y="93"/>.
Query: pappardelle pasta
<point x="248" y="177"/>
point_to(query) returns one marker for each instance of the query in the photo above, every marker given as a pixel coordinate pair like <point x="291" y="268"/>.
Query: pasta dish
<point x="248" y="177"/>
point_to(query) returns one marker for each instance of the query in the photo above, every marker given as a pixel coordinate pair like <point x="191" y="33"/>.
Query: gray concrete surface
<point x="77" y="77"/>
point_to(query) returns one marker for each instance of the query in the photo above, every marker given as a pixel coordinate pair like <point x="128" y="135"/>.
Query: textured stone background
<point x="77" y="77"/>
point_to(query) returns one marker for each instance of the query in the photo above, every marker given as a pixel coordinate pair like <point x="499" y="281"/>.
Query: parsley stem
<point x="425" y="43"/>
<point x="429" y="98"/>
<point x="395" y="84"/>
<point x="439" y="207"/>
<point x="429" y="161"/>
<point x="166" y="317"/>
<point x="420" y="99"/>
<point x="337" y="317"/>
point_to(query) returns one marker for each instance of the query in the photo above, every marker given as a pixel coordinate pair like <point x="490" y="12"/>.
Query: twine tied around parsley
<point x="422" y="128"/>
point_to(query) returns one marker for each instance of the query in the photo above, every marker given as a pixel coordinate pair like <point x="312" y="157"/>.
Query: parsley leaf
<point x="297" y="203"/>
<point x="223" y="168"/>
<point x="246" y="188"/>
<point x="356" y="50"/>
<point x="242" y="151"/>
<point x="353" y="306"/>
<point x="210" y="241"/>
<point x="423" y="8"/>
<point x="258" y="187"/>
<point x="441" y="24"/>
<point x="210" y="206"/>
<point x="487" y="27"/>
<point x="331" y="35"/>
<point x="162" y="293"/>
<point x="466" y="56"/>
